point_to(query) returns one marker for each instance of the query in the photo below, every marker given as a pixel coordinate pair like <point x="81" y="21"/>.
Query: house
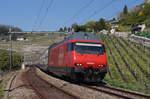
<point x="22" y="38"/>
<point x="104" y="31"/>
<point x="114" y="24"/>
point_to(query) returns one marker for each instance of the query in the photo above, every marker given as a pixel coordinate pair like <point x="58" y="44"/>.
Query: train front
<point x="89" y="60"/>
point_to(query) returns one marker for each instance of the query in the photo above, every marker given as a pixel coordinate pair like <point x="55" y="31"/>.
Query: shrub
<point x="120" y="28"/>
<point x="5" y="60"/>
<point x="147" y="22"/>
<point x="144" y="34"/>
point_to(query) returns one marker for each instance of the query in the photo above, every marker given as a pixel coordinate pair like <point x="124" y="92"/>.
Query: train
<point x="80" y="57"/>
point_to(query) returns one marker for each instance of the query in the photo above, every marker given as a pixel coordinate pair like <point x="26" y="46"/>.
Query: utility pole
<point x="10" y="54"/>
<point x="24" y="57"/>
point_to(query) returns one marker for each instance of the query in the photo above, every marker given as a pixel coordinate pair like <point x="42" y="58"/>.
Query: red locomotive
<point x="81" y="57"/>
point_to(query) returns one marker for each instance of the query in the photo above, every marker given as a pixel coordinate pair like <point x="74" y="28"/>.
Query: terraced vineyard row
<point x="128" y="65"/>
<point x="139" y="49"/>
<point x="142" y="48"/>
<point x="135" y="59"/>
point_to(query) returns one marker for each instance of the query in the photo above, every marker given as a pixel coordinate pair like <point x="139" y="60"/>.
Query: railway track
<point x="46" y="90"/>
<point x="118" y="93"/>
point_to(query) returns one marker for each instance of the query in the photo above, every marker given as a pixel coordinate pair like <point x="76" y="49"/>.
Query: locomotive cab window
<point x="70" y="46"/>
<point x="89" y="48"/>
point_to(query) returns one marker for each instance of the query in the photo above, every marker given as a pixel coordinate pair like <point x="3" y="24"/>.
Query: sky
<point x="50" y="15"/>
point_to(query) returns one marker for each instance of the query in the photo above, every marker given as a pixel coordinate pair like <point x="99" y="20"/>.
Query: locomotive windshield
<point x="89" y="48"/>
<point x="86" y="47"/>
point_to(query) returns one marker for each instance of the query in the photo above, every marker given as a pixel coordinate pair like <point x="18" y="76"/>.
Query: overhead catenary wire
<point x="38" y="14"/>
<point x="47" y="10"/>
<point x="79" y="11"/>
<point x="99" y="10"/>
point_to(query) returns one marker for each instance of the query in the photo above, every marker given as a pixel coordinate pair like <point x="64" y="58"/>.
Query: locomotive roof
<point x="79" y="36"/>
<point x="83" y="36"/>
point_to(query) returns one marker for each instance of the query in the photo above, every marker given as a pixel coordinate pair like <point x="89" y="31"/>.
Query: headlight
<point x="100" y="65"/>
<point x="77" y="64"/>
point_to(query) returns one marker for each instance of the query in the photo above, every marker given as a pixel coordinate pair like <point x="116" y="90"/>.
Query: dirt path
<point x="20" y="89"/>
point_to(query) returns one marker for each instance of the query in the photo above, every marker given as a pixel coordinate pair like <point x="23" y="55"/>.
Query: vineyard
<point x="128" y="64"/>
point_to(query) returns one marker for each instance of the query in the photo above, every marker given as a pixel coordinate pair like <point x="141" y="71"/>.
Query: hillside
<point x="129" y="65"/>
<point x="138" y="15"/>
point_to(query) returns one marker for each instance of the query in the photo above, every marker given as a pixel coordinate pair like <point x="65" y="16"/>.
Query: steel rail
<point x="121" y="93"/>
<point x="48" y="83"/>
<point x="107" y="92"/>
<point x="132" y="93"/>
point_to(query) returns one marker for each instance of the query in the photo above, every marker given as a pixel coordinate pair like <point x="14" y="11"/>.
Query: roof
<point x="79" y="36"/>
<point x="83" y="36"/>
<point x="21" y="36"/>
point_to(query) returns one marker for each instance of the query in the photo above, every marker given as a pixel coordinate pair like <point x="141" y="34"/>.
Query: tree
<point x="65" y="29"/>
<point x="69" y="29"/>
<point x="137" y="15"/>
<point x="147" y="22"/>
<point x="125" y="10"/>
<point x="4" y="29"/>
<point x="79" y="28"/>
<point x="16" y="29"/>
<point x="100" y="25"/>
<point x="75" y="27"/>
<point x="82" y="28"/>
<point x="114" y="19"/>
<point x="124" y="15"/>
<point x="90" y="26"/>
<point x="61" y="30"/>
<point x="140" y="13"/>
<point x="146" y="10"/>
